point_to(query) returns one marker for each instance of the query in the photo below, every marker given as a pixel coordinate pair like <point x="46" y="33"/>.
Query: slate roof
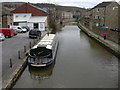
<point x="101" y="5"/>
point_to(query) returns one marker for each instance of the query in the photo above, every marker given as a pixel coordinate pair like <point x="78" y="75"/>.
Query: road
<point x="10" y="48"/>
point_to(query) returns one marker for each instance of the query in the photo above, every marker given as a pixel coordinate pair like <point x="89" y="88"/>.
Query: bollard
<point x="30" y="44"/>
<point x="34" y="41"/>
<point x="10" y="63"/>
<point x="24" y="49"/>
<point x="37" y="38"/>
<point x="19" y="55"/>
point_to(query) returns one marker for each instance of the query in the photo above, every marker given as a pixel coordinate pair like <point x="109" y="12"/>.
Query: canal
<point x="80" y="63"/>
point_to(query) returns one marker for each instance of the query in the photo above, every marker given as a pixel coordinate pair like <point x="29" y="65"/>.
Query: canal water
<point x="80" y="63"/>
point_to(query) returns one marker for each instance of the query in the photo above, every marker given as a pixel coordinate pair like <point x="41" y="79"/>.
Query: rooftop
<point x="28" y="8"/>
<point x="103" y="4"/>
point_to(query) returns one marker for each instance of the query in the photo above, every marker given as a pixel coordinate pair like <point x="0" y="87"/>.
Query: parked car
<point x="115" y="29"/>
<point x="26" y="27"/>
<point x="104" y="27"/>
<point x="8" y="32"/>
<point x="2" y="37"/>
<point x="34" y="34"/>
<point x="19" y="29"/>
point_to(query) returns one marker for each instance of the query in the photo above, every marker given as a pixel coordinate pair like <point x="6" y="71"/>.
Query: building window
<point x="115" y="8"/>
<point x="102" y="17"/>
<point x="41" y="25"/>
<point x="97" y="17"/>
<point x="36" y="25"/>
<point x="97" y="24"/>
<point x="97" y="9"/>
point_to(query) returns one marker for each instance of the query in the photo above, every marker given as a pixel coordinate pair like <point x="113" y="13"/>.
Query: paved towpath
<point x="113" y="44"/>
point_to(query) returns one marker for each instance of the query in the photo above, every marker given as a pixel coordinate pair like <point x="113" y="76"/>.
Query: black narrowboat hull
<point x="51" y="61"/>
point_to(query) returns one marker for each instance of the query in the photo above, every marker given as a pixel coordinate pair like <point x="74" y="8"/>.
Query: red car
<point x="8" y="32"/>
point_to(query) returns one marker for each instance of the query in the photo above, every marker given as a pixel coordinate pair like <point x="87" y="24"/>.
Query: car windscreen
<point x="24" y="27"/>
<point x="19" y="28"/>
<point x="33" y="32"/>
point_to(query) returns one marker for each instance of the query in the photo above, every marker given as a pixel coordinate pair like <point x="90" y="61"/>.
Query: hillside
<point x="58" y="7"/>
<point x="9" y="6"/>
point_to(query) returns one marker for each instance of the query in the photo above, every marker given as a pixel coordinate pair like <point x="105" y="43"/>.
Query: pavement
<point x="111" y="43"/>
<point x="10" y="48"/>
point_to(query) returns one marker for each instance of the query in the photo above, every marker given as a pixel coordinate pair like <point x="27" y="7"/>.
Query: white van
<point x="19" y="28"/>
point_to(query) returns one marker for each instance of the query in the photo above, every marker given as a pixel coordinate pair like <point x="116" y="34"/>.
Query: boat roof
<point x="46" y="41"/>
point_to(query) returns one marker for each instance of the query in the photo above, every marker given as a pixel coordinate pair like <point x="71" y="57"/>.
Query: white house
<point x="31" y="16"/>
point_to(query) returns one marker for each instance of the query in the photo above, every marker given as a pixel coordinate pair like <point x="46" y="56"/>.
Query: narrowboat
<point x="43" y="54"/>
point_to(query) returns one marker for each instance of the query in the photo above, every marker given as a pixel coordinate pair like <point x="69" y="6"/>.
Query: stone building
<point x="67" y="15"/>
<point x="112" y="15"/>
<point x="119" y="16"/>
<point x="103" y="14"/>
<point x="7" y="20"/>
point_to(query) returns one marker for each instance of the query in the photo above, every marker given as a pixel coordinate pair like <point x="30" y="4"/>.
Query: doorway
<point x="36" y="25"/>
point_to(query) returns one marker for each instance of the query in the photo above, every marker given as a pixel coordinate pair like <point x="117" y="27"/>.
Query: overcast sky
<point x="78" y="3"/>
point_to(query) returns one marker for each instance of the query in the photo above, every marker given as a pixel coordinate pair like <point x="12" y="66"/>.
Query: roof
<point x="46" y="41"/>
<point x="28" y="8"/>
<point x="101" y="5"/>
<point x="37" y="19"/>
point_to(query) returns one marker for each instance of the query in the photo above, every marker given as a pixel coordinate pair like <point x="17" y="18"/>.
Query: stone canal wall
<point x="14" y="77"/>
<point x="102" y="42"/>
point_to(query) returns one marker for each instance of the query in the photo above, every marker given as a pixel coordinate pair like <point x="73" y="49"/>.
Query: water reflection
<point x="41" y="73"/>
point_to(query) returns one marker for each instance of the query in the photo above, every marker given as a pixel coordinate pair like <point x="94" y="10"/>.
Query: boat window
<point x="41" y="52"/>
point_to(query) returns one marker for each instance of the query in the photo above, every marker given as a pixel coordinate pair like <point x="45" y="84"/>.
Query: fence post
<point x="37" y="38"/>
<point x="19" y="55"/>
<point x="24" y="49"/>
<point x="34" y="41"/>
<point x="30" y="44"/>
<point x="10" y="63"/>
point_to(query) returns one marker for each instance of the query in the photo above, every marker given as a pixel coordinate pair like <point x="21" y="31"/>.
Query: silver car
<point x="2" y="37"/>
